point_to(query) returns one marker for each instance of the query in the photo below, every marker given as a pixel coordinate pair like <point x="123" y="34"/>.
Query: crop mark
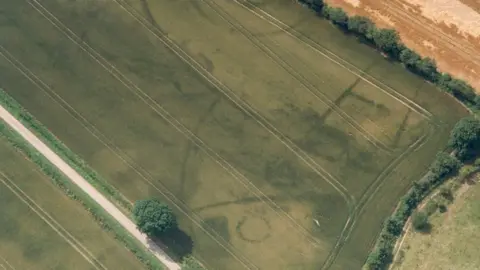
<point x="412" y="148"/>
<point x="125" y="158"/>
<point x="210" y="155"/>
<point x="169" y="118"/>
<point x="373" y="188"/>
<point x="298" y="77"/>
<point x="52" y="223"/>
<point x="339" y="60"/>
<point x="237" y="101"/>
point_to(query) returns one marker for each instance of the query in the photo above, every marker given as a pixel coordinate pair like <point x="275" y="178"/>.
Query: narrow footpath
<point x="78" y="180"/>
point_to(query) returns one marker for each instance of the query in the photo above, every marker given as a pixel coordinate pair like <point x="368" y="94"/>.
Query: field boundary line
<point x="49" y="217"/>
<point x="357" y="72"/>
<point x="128" y="163"/>
<point x="307" y="85"/>
<point x="7" y="263"/>
<point x="379" y="180"/>
<point x="86" y="257"/>
<point x="306" y="233"/>
<point x="86" y="187"/>
<point x="215" y="82"/>
<point x="367" y="196"/>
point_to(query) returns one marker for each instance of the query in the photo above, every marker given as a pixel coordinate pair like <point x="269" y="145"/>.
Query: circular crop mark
<point x="253" y="229"/>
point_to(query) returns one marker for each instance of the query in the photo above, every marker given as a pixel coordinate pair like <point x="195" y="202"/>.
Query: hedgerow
<point x="465" y="137"/>
<point x="388" y="42"/>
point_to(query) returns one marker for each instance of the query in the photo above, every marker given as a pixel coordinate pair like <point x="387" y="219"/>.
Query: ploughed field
<point x="42" y="228"/>
<point x="281" y="142"/>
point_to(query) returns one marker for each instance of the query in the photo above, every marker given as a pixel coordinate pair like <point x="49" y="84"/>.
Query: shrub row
<point x="60" y="180"/>
<point x="388" y="42"/>
<point x="443" y="166"/>
<point x="462" y="141"/>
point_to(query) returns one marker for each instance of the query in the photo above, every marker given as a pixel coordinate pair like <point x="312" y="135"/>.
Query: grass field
<point x="453" y="239"/>
<point x="42" y="228"/>
<point x="280" y="147"/>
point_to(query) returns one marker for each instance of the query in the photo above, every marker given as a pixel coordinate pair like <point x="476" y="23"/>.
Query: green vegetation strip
<point x="60" y="180"/>
<point x="464" y="139"/>
<point x="63" y="151"/>
<point x="388" y="42"/>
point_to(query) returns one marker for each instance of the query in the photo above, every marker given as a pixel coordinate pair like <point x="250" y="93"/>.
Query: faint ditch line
<point x="298" y="226"/>
<point x="29" y="203"/>
<point x="377" y="182"/>
<point x="367" y="196"/>
<point x="123" y="156"/>
<point x="212" y="80"/>
<point x="340" y="61"/>
<point x="301" y="79"/>
<point x="225" y="165"/>
<point x="185" y="131"/>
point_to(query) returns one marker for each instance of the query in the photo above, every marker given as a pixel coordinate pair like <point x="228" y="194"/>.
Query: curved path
<point x="78" y="180"/>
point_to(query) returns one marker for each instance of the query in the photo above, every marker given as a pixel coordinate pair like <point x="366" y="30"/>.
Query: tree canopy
<point x="465" y="137"/>
<point x="360" y="24"/>
<point x="444" y="164"/>
<point x="153" y="217"/>
<point x="419" y="220"/>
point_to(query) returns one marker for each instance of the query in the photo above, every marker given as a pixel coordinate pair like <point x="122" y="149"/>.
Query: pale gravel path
<point x="78" y="180"/>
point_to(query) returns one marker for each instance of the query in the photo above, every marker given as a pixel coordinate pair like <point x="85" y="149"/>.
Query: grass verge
<point x="61" y="181"/>
<point x="64" y="152"/>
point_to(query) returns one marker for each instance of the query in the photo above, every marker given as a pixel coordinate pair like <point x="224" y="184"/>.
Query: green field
<point x="281" y="142"/>
<point x="42" y="228"/>
<point x="453" y="239"/>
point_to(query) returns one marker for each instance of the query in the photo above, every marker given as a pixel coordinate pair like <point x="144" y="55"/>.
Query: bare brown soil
<point x="448" y="33"/>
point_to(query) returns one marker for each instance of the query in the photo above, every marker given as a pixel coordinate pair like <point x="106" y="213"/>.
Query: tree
<point x="387" y="40"/>
<point x="444" y="164"/>
<point x="465" y="137"/>
<point x="427" y="68"/>
<point x="360" y="24"/>
<point x="394" y="226"/>
<point x="190" y="263"/>
<point x="316" y="5"/>
<point x="336" y="15"/>
<point x="420" y="220"/>
<point x="409" y="58"/>
<point x="377" y="259"/>
<point x="476" y="102"/>
<point x="461" y="90"/>
<point x="153" y="217"/>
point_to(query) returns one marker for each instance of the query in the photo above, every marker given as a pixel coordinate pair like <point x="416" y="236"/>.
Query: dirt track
<point x="87" y="188"/>
<point x="445" y="30"/>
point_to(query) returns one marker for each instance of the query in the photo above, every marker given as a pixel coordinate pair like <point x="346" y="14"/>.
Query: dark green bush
<point x="465" y="137"/>
<point x="387" y="40"/>
<point x="316" y="5"/>
<point x="419" y="220"/>
<point x="444" y="165"/>
<point x="336" y="15"/>
<point x="360" y="25"/>
<point x="409" y="58"/>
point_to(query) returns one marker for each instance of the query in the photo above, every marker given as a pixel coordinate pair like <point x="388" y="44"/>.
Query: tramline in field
<point x="282" y="143"/>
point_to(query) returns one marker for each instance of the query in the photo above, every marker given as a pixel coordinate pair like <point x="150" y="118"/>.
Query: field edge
<point x="101" y="217"/>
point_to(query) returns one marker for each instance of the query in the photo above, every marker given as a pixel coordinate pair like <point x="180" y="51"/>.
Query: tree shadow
<point x="176" y="243"/>
<point x="426" y="229"/>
